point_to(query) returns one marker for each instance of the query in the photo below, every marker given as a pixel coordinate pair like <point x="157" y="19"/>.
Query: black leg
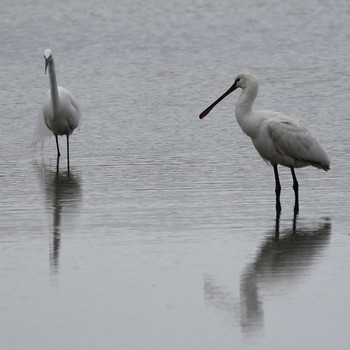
<point x="295" y="222"/>
<point x="58" y="149"/>
<point x="277" y="190"/>
<point x="296" y="191"/>
<point x="57" y="165"/>
<point x="68" y="151"/>
<point x="277" y="226"/>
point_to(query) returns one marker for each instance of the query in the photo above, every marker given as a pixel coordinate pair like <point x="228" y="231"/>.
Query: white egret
<point x="278" y="138"/>
<point x="60" y="111"/>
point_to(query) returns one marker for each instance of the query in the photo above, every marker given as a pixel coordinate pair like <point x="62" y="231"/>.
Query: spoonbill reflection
<point x="61" y="112"/>
<point x="283" y="259"/>
<point x="278" y="138"/>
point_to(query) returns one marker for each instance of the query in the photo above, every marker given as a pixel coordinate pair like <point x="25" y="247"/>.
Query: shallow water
<point x="163" y="235"/>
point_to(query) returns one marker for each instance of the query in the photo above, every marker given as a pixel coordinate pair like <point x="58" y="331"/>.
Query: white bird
<point x="278" y="138"/>
<point x="60" y="110"/>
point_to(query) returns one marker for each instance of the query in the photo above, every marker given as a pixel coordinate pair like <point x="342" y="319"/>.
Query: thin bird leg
<point x="296" y="191"/>
<point x="58" y="149"/>
<point x="277" y="227"/>
<point x="68" y="151"/>
<point x="295" y="223"/>
<point x="57" y="165"/>
<point x="277" y="190"/>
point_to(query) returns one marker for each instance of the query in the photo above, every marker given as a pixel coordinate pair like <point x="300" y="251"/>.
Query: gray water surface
<point x="163" y="234"/>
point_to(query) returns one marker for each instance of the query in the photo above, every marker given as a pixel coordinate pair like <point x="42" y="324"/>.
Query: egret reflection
<point x="284" y="257"/>
<point x="63" y="197"/>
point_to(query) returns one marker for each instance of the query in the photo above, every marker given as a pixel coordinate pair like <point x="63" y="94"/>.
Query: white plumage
<point x="279" y="138"/>
<point x="282" y="140"/>
<point x="65" y="117"/>
<point x="61" y="112"/>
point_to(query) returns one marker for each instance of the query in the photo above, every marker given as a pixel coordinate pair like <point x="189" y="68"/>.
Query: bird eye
<point x="238" y="80"/>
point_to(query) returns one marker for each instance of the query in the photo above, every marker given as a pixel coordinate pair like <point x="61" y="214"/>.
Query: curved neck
<point x="246" y="99"/>
<point x="244" y="108"/>
<point x="53" y="85"/>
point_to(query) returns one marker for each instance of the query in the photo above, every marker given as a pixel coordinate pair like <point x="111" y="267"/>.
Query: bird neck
<point x="53" y="85"/>
<point x="244" y="106"/>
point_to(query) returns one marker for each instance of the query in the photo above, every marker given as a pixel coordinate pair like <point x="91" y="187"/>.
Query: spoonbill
<point x="61" y="111"/>
<point x="278" y="138"/>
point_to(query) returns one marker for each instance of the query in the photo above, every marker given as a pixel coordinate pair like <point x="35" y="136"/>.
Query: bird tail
<point x="42" y="132"/>
<point x="320" y="159"/>
<point x="324" y="165"/>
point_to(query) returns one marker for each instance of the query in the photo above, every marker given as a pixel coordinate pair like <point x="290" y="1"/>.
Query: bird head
<point x="245" y="78"/>
<point x="48" y="57"/>
<point x="242" y="81"/>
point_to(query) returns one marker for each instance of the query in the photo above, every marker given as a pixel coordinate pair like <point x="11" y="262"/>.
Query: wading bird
<point x="60" y="110"/>
<point x="278" y="138"/>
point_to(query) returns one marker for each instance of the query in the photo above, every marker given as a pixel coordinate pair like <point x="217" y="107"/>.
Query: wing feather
<point x="295" y="141"/>
<point x="41" y="131"/>
<point x="64" y="93"/>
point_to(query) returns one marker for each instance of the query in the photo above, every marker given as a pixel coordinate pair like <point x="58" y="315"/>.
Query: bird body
<point x="61" y="111"/>
<point x="278" y="137"/>
<point x="63" y="117"/>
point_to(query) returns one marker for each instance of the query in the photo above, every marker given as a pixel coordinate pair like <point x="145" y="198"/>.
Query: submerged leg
<point x="295" y="222"/>
<point x="57" y="165"/>
<point x="58" y="149"/>
<point x="68" y="152"/>
<point x="296" y="191"/>
<point x="277" y="190"/>
<point x="277" y="226"/>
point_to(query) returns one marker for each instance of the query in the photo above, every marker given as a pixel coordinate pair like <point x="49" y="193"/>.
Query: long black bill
<point x="206" y="111"/>
<point x="46" y="64"/>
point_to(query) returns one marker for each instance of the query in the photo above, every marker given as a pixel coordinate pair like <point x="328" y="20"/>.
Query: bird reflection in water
<point x="63" y="197"/>
<point x="284" y="257"/>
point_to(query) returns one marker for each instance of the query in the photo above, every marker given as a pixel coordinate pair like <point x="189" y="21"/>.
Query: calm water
<point x="163" y="235"/>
